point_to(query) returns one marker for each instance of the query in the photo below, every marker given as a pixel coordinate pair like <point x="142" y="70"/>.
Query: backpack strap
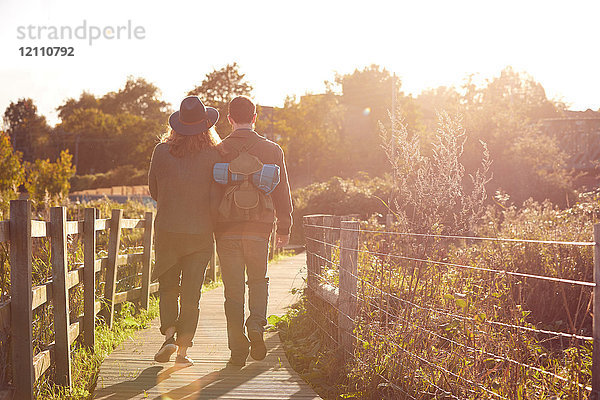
<point x="245" y="145"/>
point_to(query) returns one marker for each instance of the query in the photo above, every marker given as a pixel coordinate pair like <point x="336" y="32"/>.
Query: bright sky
<point x="291" y="48"/>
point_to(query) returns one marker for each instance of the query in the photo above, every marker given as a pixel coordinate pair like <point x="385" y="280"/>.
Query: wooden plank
<point x="72" y="227"/>
<point x="89" y="278"/>
<point x="41" y="294"/>
<point x="4" y="231"/>
<point x="125" y="374"/>
<point x="5" y="316"/>
<point x="132" y="223"/>
<point x="41" y="362"/>
<point x="74" y="330"/>
<point x="39" y="229"/>
<point x="111" y="266"/>
<point x="99" y="264"/>
<point x="328" y="293"/>
<point x="129" y="295"/>
<point x="60" y="296"/>
<point x="134" y="294"/>
<point x="596" y="321"/>
<point x="125" y="259"/>
<point x="101" y="224"/>
<point x="97" y="307"/>
<point x="74" y="277"/>
<point x="348" y="283"/>
<point x="147" y="259"/>
<point x="21" y="297"/>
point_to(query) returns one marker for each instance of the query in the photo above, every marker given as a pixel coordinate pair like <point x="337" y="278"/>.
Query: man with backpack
<point x="255" y="194"/>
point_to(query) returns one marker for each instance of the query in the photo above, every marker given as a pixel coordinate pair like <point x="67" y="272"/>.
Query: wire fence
<point x="422" y="316"/>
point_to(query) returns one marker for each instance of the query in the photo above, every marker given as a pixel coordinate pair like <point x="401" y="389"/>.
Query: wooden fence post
<point x="211" y="271"/>
<point x="310" y="246"/>
<point x="111" y="268"/>
<point x="273" y="243"/>
<point x="58" y="240"/>
<point x="596" y="321"/>
<point x="328" y="238"/>
<point x="21" y="298"/>
<point x="389" y="221"/>
<point x="89" y="278"/>
<point x="348" y="282"/>
<point x="147" y="259"/>
<point x="319" y="249"/>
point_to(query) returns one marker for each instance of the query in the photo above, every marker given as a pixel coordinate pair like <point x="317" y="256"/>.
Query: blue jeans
<point x="238" y="257"/>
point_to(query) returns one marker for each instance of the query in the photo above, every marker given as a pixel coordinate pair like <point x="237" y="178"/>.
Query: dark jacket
<point x="267" y="152"/>
<point x="184" y="190"/>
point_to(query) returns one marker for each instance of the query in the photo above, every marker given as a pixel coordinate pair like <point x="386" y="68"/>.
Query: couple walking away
<point x="232" y="190"/>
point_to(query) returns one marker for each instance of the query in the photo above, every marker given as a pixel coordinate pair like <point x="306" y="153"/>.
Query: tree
<point x="218" y="88"/>
<point x="11" y="169"/>
<point x="139" y="97"/>
<point x="368" y="96"/>
<point x="117" y="129"/>
<point x="310" y="135"/>
<point x="86" y="101"/>
<point x="48" y="182"/>
<point x="504" y="114"/>
<point x="29" y="133"/>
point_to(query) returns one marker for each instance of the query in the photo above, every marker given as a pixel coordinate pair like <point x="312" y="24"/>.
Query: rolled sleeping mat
<point x="266" y="179"/>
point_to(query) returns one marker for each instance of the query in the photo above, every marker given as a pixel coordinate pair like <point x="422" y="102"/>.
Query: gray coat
<point x="184" y="190"/>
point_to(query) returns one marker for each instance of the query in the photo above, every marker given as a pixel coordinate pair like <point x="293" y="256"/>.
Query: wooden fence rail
<point x="16" y="315"/>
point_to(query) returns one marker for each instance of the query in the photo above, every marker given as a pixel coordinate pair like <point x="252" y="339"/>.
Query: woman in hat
<point x="180" y="180"/>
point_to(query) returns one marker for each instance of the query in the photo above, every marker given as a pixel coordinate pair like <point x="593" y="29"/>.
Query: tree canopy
<point x="218" y="88"/>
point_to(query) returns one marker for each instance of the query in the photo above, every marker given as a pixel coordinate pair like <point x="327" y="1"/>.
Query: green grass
<point x="86" y="365"/>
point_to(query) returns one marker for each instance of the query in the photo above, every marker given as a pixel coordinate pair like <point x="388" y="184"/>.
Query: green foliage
<point x="125" y="175"/>
<point x="310" y="351"/>
<point x="218" y="88"/>
<point x="86" y="364"/>
<point x="138" y="97"/>
<point x="504" y="113"/>
<point x="29" y="132"/>
<point x="423" y="329"/>
<point x="310" y="132"/>
<point x="119" y="128"/>
<point x="431" y="194"/>
<point x="363" y="196"/>
<point x="48" y="182"/>
<point x="367" y="95"/>
<point x="12" y="173"/>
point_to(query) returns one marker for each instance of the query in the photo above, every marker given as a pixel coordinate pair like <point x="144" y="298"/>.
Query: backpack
<point x="243" y="200"/>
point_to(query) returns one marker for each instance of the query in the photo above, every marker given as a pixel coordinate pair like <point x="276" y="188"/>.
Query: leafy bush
<point x="48" y="182"/>
<point x="125" y="175"/>
<point x="362" y="196"/>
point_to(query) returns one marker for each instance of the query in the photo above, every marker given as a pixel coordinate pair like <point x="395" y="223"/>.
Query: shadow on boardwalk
<point x="131" y="373"/>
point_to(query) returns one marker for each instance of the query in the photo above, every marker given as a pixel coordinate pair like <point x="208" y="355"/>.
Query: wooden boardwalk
<point x="131" y="373"/>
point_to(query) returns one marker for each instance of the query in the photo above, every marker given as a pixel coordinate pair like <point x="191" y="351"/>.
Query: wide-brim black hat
<point x="193" y="118"/>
